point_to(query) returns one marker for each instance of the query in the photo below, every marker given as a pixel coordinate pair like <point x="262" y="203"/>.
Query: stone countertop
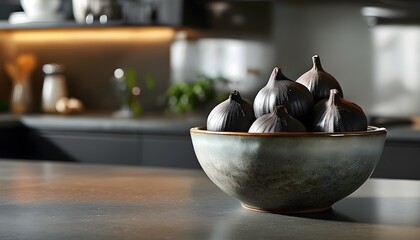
<point x="44" y="200"/>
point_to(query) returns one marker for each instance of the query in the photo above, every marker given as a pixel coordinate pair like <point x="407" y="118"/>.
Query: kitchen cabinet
<point x="399" y="160"/>
<point x="155" y="141"/>
<point x="165" y="142"/>
<point x="230" y="18"/>
<point x="111" y="148"/>
<point x="168" y="151"/>
<point x="83" y="147"/>
<point x="11" y="139"/>
<point x="173" y="13"/>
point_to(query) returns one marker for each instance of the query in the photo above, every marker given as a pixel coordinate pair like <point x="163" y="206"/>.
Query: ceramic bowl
<point x="288" y="172"/>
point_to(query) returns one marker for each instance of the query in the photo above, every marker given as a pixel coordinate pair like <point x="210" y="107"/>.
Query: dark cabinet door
<point x="112" y="148"/>
<point x="168" y="151"/>
<point x="399" y="160"/>
<point x="85" y="147"/>
<point x="11" y="142"/>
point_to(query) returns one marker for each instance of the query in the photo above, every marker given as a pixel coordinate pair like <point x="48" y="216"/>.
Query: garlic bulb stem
<point x="331" y="116"/>
<point x="317" y="63"/>
<point x="235" y="98"/>
<point x="333" y="99"/>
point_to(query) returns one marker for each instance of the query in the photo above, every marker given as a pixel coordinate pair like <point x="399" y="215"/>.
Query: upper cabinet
<point x="28" y="14"/>
<point x="215" y="18"/>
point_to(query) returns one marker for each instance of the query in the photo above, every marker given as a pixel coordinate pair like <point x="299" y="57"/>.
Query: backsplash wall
<point x="90" y="57"/>
<point x="338" y="33"/>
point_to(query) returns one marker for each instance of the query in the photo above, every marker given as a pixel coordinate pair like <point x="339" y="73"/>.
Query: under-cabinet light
<point x="93" y="35"/>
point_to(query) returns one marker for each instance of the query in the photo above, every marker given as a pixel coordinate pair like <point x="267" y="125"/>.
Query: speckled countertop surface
<point x="45" y="200"/>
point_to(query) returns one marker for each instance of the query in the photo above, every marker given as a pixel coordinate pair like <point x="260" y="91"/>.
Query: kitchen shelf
<point x="70" y="24"/>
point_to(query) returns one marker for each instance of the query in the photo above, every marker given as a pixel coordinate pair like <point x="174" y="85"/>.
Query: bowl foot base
<point x="306" y="210"/>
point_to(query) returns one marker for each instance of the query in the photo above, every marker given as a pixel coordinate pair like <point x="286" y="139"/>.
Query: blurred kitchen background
<point x="176" y="58"/>
<point x="168" y="41"/>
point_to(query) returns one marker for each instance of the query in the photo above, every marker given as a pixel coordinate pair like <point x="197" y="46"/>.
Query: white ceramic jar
<point x="54" y="87"/>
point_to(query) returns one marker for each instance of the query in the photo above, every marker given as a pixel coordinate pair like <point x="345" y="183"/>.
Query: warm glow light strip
<point x="150" y="34"/>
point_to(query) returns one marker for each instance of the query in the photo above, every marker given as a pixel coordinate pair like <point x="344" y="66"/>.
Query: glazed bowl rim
<point x="372" y="130"/>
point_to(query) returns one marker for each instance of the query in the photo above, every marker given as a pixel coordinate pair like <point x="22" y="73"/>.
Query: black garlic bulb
<point x="318" y="81"/>
<point x="337" y="115"/>
<point x="231" y="115"/>
<point x="280" y="90"/>
<point x="277" y="121"/>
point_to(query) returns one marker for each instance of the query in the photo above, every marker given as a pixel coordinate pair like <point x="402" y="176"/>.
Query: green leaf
<point x="130" y="77"/>
<point x="135" y="107"/>
<point x="150" y="81"/>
